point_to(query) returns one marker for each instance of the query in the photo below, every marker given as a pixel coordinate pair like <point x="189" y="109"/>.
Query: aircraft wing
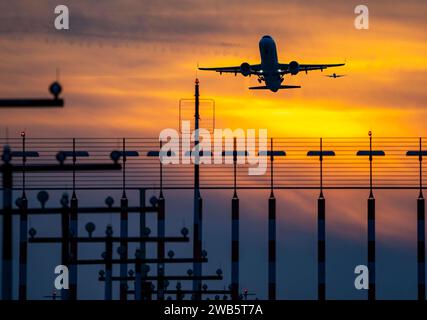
<point x="254" y="69"/>
<point x="309" y="67"/>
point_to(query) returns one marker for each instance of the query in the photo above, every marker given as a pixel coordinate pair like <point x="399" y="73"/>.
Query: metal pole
<point x="421" y="248"/>
<point x="142" y="244"/>
<point x="73" y="247"/>
<point x="142" y="222"/>
<point x="321" y="249"/>
<point x="235" y="234"/>
<point x="7" y="270"/>
<point x="197" y="220"/>
<point x="23" y="248"/>
<point x="271" y="233"/>
<point x="23" y="217"/>
<point x="74" y="232"/>
<point x="161" y="248"/>
<point x="321" y="235"/>
<point x="123" y="247"/>
<point x="161" y="235"/>
<point x="108" y="263"/>
<point x="371" y="248"/>
<point x="371" y="229"/>
<point x="421" y="233"/>
<point x="123" y="231"/>
<point x="65" y="241"/>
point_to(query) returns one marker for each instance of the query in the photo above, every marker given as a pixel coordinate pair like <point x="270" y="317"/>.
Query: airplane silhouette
<point x="270" y="70"/>
<point x="334" y="75"/>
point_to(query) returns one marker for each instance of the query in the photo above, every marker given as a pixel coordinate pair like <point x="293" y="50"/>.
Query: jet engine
<point x="293" y="68"/>
<point x="245" y="69"/>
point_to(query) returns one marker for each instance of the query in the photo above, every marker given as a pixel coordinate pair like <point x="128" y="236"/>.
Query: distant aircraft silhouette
<point x="334" y="75"/>
<point x="270" y="70"/>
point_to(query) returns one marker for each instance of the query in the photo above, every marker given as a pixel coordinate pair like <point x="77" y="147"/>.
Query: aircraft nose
<point x="266" y="38"/>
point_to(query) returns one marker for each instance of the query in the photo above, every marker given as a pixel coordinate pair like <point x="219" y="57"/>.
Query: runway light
<point x="417" y="153"/>
<point x="275" y="153"/>
<point x="320" y="153"/>
<point x="368" y="153"/>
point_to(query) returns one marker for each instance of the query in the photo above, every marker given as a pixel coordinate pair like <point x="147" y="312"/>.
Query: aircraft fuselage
<point x="270" y="63"/>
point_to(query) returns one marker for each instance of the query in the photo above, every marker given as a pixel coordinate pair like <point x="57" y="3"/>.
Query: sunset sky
<point x="124" y="65"/>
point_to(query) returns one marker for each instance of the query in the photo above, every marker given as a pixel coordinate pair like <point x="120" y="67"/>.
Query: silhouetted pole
<point x="420" y="224"/>
<point x="70" y="248"/>
<point x="371" y="220"/>
<point x="161" y="247"/>
<point x="161" y="235"/>
<point x="65" y="241"/>
<point x="23" y="217"/>
<point x="272" y="247"/>
<point x="142" y="222"/>
<point x="123" y="247"/>
<point x="7" y="270"/>
<point x="371" y="230"/>
<point x="198" y="205"/>
<point x="23" y="247"/>
<point x="371" y="247"/>
<point x="272" y="278"/>
<point x="124" y="212"/>
<point x="321" y="226"/>
<point x="73" y="247"/>
<point x="321" y="235"/>
<point x="421" y="248"/>
<point x="74" y="232"/>
<point x="421" y="235"/>
<point x="235" y="233"/>
<point x="123" y="230"/>
<point x="23" y="221"/>
<point x="108" y="263"/>
<point x="142" y="246"/>
<point x="272" y="287"/>
<point x="321" y="248"/>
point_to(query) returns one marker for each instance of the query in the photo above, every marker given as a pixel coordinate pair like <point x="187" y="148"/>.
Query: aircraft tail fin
<point x="267" y="88"/>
